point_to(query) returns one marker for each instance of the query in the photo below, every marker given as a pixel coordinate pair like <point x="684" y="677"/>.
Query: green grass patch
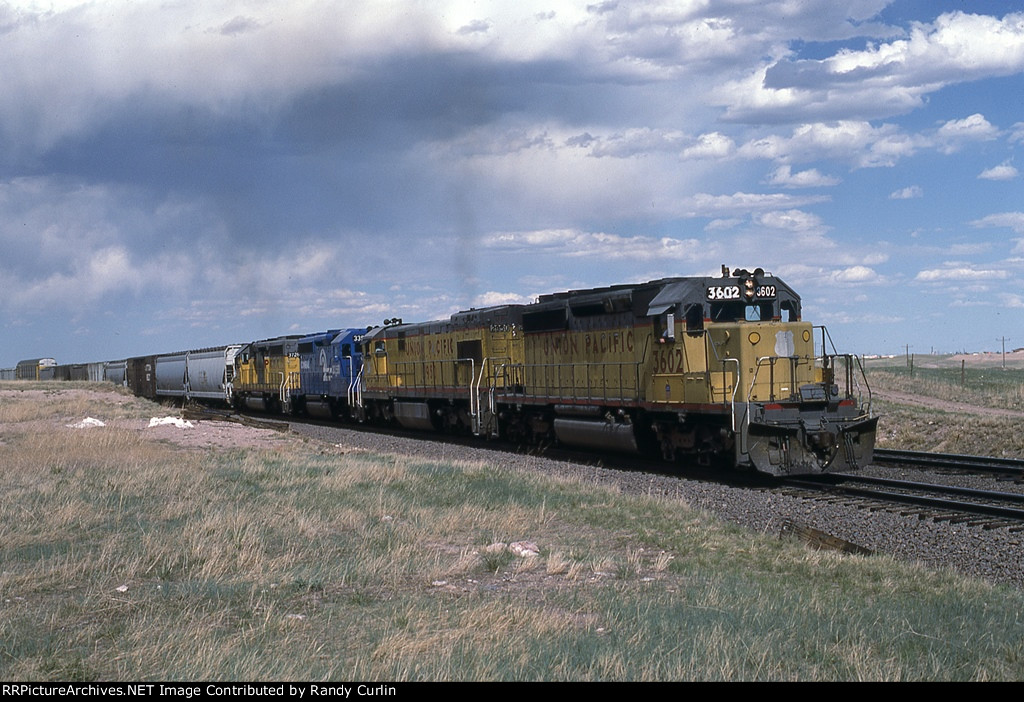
<point x="949" y="429"/>
<point x="983" y="387"/>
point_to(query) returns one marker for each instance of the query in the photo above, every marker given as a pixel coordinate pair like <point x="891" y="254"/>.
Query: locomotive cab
<point x="757" y="376"/>
<point x="798" y="410"/>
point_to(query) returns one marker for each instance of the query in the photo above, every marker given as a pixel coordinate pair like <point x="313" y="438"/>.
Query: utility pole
<point x="1003" y="339"/>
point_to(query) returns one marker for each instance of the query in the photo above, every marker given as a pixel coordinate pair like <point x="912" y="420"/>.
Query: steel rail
<point x="1015" y="514"/>
<point x="926" y="459"/>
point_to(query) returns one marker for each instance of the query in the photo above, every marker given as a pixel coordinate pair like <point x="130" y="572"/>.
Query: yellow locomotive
<point x="266" y="374"/>
<point x="716" y="369"/>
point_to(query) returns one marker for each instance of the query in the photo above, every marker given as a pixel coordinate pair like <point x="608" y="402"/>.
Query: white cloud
<point x="952" y="135"/>
<point x="710" y="146"/>
<point x="883" y="79"/>
<point x="792" y="220"/>
<point x="908" y="193"/>
<point x="575" y="243"/>
<point x="855" y="274"/>
<point x="635" y="142"/>
<point x="864" y="145"/>
<point x="1011" y="301"/>
<point x="716" y="225"/>
<point x="1003" y="171"/>
<point x="706" y="205"/>
<point x="961" y="272"/>
<point x="1013" y="220"/>
<point x="812" y="178"/>
<point x="860" y="143"/>
<point x="492" y="298"/>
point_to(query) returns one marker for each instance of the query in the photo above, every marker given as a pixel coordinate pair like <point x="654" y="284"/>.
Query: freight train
<point x="712" y="370"/>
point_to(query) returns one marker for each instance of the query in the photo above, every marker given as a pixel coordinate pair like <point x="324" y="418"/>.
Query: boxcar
<point x="140" y="376"/>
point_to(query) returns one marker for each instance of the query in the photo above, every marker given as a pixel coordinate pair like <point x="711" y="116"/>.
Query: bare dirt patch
<point x="215" y="434"/>
<point x="936" y="403"/>
<point x="46" y="411"/>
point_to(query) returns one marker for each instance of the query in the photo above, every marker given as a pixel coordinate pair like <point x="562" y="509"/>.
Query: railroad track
<point x="1013" y="467"/>
<point x="987" y="509"/>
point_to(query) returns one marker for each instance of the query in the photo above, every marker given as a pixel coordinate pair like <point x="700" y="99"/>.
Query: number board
<point x="732" y="292"/>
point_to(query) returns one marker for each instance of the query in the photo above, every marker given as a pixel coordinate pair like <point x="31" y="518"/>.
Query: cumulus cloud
<point x="860" y="143"/>
<point x="783" y="176"/>
<point x="908" y="193"/>
<point x="792" y="220"/>
<point x="573" y="243"/>
<point x="951" y="136"/>
<point x="864" y="145"/>
<point x="493" y="297"/>
<point x="1004" y="171"/>
<point x="716" y="225"/>
<point x="855" y="274"/>
<point x="883" y="79"/>
<point x="634" y="142"/>
<point x="707" y="205"/>
<point x="961" y="272"/>
<point x="710" y="146"/>
<point x="1013" y="220"/>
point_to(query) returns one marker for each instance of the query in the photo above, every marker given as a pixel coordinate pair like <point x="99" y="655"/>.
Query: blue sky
<point x="181" y="174"/>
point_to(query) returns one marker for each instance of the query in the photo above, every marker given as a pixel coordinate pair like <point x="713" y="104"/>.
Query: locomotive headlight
<point x="753" y="337"/>
<point x="748" y="288"/>
<point x="807" y="335"/>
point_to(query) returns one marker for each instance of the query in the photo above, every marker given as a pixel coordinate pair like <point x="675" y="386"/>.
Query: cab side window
<point x="694" y="318"/>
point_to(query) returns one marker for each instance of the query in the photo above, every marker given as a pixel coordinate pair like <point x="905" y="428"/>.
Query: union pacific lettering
<point x="416" y="345"/>
<point x="441" y="347"/>
<point x="605" y="342"/>
<point x="559" y="345"/>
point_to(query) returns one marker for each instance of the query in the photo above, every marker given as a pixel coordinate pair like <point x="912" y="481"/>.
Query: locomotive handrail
<point x="478" y="415"/>
<point x="828" y="360"/>
<point x="825" y="336"/>
<point x="851" y="380"/>
<point x="770" y="361"/>
<point x="475" y="393"/>
<point x="735" y="387"/>
<point x="867" y="385"/>
<point x="354" y="393"/>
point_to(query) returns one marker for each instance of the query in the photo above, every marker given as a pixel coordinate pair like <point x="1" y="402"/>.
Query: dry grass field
<point x="131" y="553"/>
<point x="953" y="404"/>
